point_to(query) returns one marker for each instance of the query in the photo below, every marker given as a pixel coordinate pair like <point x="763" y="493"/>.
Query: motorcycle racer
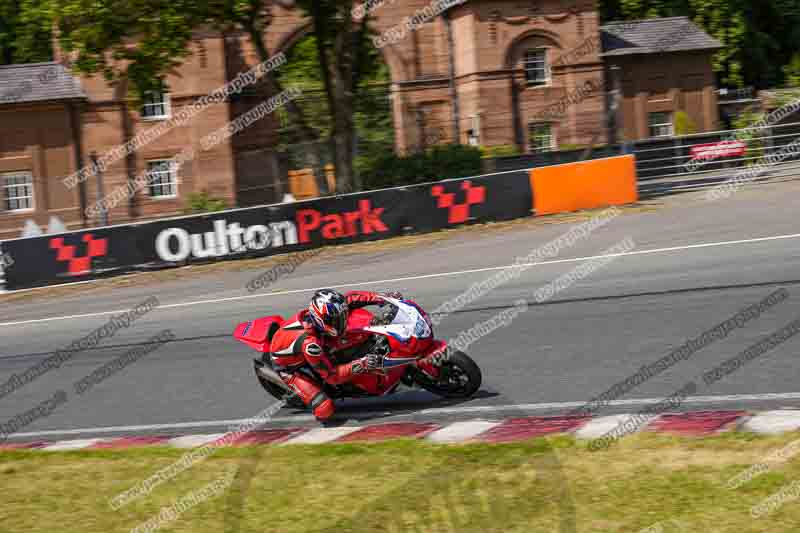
<point x="310" y="337"/>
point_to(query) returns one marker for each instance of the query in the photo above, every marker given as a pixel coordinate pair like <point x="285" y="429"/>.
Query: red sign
<point x="341" y="225"/>
<point x="459" y="212"/>
<point x="719" y="149"/>
<point x="79" y="264"/>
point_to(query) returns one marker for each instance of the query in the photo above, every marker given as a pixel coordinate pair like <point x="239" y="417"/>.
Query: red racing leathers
<point x="298" y="343"/>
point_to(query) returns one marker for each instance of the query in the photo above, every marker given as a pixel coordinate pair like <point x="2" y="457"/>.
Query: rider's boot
<point x="312" y="395"/>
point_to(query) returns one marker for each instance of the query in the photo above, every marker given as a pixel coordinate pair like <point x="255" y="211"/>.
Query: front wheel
<point x="460" y="377"/>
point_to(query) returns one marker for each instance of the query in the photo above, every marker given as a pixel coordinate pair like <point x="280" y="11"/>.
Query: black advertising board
<point x="448" y="203"/>
<point x="70" y="256"/>
<point x="267" y="230"/>
<point x="275" y="229"/>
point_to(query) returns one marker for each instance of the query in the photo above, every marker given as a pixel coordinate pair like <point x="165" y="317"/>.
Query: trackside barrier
<point x="267" y="230"/>
<point x="290" y="227"/>
<point x="584" y="185"/>
<point x="2" y="270"/>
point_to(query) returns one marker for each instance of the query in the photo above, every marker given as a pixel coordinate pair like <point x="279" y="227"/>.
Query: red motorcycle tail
<point x="259" y="332"/>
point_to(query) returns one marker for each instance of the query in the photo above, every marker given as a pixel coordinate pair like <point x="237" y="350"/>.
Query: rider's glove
<point x="373" y="361"/>
<point x="367" y="363"/>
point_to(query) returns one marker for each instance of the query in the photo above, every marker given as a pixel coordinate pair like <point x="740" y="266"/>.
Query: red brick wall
<point x="677" y="82"/>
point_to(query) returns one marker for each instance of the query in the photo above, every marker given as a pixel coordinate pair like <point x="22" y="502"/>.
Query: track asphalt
<point x="695" y="264"/>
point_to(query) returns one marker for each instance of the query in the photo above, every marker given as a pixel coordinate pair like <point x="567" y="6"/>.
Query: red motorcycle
<point x="401" y="332"/>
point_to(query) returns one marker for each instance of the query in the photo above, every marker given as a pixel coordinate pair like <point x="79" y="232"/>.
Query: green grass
<point x="538" y="485"/>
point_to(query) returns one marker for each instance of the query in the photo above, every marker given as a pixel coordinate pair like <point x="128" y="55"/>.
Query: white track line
<point x="433" y="411"/>
<point x="418" y="277"/>
<point x="146" y="427"/>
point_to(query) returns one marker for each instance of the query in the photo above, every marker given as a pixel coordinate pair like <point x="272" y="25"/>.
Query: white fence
<point x="4" y="260"/>
<point x="677" y="156"/>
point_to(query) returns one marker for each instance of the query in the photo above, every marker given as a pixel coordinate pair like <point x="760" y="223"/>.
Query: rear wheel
<point x="292" y="400"/>
<point x="460" y="377"/>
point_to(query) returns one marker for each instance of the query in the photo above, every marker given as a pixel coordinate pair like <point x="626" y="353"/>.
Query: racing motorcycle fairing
<point x="408" y="335"/>
<point x="258" y="333"/>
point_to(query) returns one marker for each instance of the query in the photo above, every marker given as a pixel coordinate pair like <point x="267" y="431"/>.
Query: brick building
<point x="486" y="72"/>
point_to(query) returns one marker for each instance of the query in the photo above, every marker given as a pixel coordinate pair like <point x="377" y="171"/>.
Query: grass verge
<point x="648" y="481"/>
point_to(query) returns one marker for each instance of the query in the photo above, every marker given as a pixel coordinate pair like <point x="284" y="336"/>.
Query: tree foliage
<point x="684" y="125"/>
<point x="437" y="163"/>
<point x="25" y="32"/>
<point x="759" y="37"/>
<point x="140" y="41"/>
<point x="203" y="203"/>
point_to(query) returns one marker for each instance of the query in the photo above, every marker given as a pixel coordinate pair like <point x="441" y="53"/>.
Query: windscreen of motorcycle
<point x="407" y="323"/>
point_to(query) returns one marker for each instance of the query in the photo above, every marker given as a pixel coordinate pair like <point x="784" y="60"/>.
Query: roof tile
<point x="656" y="35"/>
<point x="36" y="82"/>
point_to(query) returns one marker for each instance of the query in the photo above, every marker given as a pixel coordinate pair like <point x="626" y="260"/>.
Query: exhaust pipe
<point x="270" y="375"/>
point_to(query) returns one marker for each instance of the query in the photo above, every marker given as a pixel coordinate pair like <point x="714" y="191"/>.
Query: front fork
<point x="432" y="363"/>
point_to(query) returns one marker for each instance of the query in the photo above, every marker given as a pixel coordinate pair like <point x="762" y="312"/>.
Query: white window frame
<point x="542" y="66"/>
<point x="535" y="149"/>
<point x="172" y="183"/>
<point x="651" y="125"/>
<point x="163" y="102"/>
<point x="6" y="187"/>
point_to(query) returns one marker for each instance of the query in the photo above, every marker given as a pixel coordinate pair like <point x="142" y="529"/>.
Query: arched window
<point x="537" y="69"/>
<point x="533" y="53"/>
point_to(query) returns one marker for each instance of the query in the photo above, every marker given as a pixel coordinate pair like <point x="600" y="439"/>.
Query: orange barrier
<point x="303" y="185"/>
<point x="584" y="185"/>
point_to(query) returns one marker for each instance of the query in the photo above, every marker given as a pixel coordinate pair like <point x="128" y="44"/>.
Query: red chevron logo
<point x="77" y="265"/>
<point x="459" y="212"/>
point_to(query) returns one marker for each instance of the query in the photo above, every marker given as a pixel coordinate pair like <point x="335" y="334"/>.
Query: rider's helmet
<point x="328" y="312"/>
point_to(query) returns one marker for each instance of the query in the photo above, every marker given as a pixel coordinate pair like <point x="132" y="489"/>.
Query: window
<point x="536" y="71"/>
<point x="18" y="191"/>
<point x="155" y="106"/>
<point x="660" y="124"/>
<point x="163" y="179"/>
<point x="540" y="137"/>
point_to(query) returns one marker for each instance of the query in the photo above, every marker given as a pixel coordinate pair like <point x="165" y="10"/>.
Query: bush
<point x="201" y="203"/>
<point x="439" y="163"/>
<point x="792" y="71"/>
<point x="683" y="124"/>
<point x="568" y="147"/>
<point x="500" y="150"/>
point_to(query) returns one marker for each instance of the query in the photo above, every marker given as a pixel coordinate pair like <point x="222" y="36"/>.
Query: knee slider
<point x="322" y="406"/>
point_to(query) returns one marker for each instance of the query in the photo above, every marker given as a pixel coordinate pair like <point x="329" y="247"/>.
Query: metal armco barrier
<point x="268" y="230"/>
<point x="676" y="157"/>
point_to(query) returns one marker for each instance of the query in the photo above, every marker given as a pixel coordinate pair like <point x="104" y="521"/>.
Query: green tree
<point x="373" y="113"/>
<point x="684" y="125"/>
<point x="25" y="32"/>
<point x="759" y="36"/>
<point x="792" y="72"/>
<point x="142" y="40"/>
<point x="343" y="53"/>
<point x="131" y="41"/>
